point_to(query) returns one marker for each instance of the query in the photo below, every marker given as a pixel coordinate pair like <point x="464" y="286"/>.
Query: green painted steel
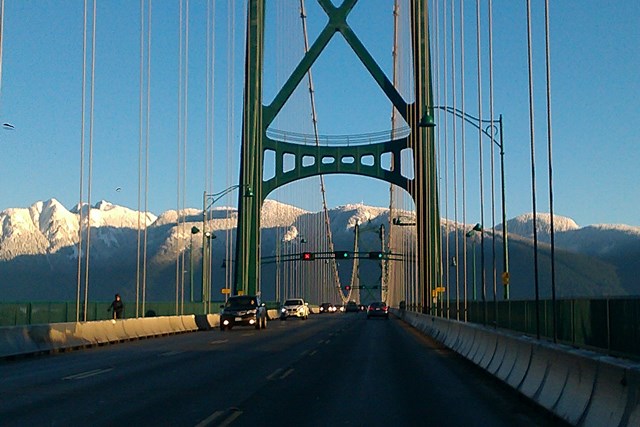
<point x="324" y="160"/>
<point x="311" y="160"/>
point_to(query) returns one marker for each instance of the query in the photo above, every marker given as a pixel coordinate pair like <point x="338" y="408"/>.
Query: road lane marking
<point x="313" y="352"/>
<point x="87" y="374"/>
<point x="219" y="342"/>
<point x="286" y="374"/>
<point x="233" y="413"/>
<point x="211" y="418"/>
<point x="274" y="374"/>
<point x="304" y="353"/>
<point x="248" y="334"/>
<point x="230" y="418"/>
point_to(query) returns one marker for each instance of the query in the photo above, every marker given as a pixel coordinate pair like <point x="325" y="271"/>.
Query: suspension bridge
<point x="299" y="126"/>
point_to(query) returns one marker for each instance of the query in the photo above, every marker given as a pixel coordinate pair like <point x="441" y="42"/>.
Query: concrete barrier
<point x="610" y="394"/>
<point x="535" y="376"/>
<point x="33" y="339"/>
<point x="582" y="387"/>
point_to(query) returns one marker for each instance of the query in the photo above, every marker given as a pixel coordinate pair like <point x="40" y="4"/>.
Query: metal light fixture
<point x="427" y="120"/>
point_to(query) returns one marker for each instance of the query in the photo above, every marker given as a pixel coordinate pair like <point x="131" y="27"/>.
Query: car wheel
<point x="222" y="328"/>
<point x="283" y="318"/>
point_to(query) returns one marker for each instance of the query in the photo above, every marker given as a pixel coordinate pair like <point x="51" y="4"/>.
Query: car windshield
<point x="241" y="302"/>
<point x="378" y="304"/>
<point x="293" y="302"/>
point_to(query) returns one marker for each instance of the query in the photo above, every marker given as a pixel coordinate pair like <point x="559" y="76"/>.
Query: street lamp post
<point x="194" y="230"/>
<point x="428" y="121"/>
<point x="208" y="200"/>
<point x="471" y="233"/>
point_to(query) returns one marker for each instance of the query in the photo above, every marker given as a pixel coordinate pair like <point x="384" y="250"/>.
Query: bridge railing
<point x="610" y="325"/>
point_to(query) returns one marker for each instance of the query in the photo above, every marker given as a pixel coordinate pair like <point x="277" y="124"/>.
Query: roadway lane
<point x="330" y="369"/>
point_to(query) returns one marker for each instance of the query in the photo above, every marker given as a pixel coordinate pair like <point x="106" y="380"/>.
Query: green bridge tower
<point x="342" y="159"/>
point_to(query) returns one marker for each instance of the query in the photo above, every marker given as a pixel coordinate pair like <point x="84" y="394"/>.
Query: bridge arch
<point x="364" y="159"/>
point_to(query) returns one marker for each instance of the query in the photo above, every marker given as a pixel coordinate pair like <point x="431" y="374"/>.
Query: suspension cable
<point x="82" y="154"/>
<point x="90" y="172"/>
<point x="455" y="164"/>
<point x="492" y="167"/>
<point x="327" y="220"/>
<point x="533" y="169"/>
<point x="146" y="161"/>
<point x="549" y="151"/>
<point x="463" y="156"/>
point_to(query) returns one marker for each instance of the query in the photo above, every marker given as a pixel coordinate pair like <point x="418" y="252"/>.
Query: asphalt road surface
<point x="332" y="369"/>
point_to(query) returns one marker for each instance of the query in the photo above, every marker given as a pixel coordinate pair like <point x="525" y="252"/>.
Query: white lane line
<point x="313" y="352"/>
<point x="211" y="418"/>
<point x="304" y="353"/>
<point x="248" y="334"/>
<point x="83" y="375"/>
<point x="233" y="414"/>
<point x="327" y="341"/>
<point x="286" y="374"/>
<point x="219" y="342"/>
<point x="274" y="374"/>
<point x="230" y="418"/>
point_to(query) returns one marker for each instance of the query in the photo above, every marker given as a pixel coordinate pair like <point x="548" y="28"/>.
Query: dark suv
<point x="352" y="307"/>
<point x="243" y="310"/>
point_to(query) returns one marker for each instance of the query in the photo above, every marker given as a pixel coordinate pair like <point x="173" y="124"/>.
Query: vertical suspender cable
<point x="1" y="37"/>
<point x="392" y="229"/>
<point x="178" y="157"/>
<point x="455" y="162"/>
<point x="533" y="170"/>
<point x="444" y="262"/>
<point x="230" y="130"/>
<point x="314" y="116"/>
<point x="82" y="141"/>
<point x="463" y="157"/>
<point x="89" y="180"/>
<point x="481" y="161"/>
<point x="549" y="142"/>
<point x="209" y="149"/>
<point x="492" y="163"/>
<point x="146" y="160"/>
<point x="140" y="154"/>
<point x="439" y="169"/>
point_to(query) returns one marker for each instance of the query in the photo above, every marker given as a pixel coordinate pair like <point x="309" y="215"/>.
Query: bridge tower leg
<point x="247" y="266"/>
<point x="424" y="188"/>
<point x="257" y="117"/>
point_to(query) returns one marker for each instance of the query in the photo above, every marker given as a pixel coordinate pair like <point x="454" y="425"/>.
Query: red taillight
<point x="370" y="308"/>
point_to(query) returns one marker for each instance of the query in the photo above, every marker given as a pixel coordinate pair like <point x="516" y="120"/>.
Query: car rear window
<point x="293" y="302"/>
<point x="245" y="301"/>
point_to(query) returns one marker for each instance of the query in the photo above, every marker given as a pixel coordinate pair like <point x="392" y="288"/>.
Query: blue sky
<point x="595" y="88"/>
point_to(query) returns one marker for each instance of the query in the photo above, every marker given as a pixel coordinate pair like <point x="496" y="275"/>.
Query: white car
<point x="294" y="307"/>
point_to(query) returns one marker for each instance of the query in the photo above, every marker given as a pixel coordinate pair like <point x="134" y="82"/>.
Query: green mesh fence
<point x="608" y="325"/>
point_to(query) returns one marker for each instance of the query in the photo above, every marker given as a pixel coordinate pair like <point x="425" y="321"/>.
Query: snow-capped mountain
<point x="39" y="248"/>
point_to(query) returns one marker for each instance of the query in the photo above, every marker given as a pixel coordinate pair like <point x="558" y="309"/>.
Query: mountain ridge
<point x="39" y="244"/>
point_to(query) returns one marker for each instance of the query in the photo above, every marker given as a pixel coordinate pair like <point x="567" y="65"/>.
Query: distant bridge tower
<point x="345" y="159"/>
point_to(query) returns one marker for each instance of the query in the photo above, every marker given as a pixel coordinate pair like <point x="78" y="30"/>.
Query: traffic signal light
<point x="347" y="288"/>
<point x="341" y="254"/>
<point x="375" y="255"/>
<point x="307" y="256"/>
